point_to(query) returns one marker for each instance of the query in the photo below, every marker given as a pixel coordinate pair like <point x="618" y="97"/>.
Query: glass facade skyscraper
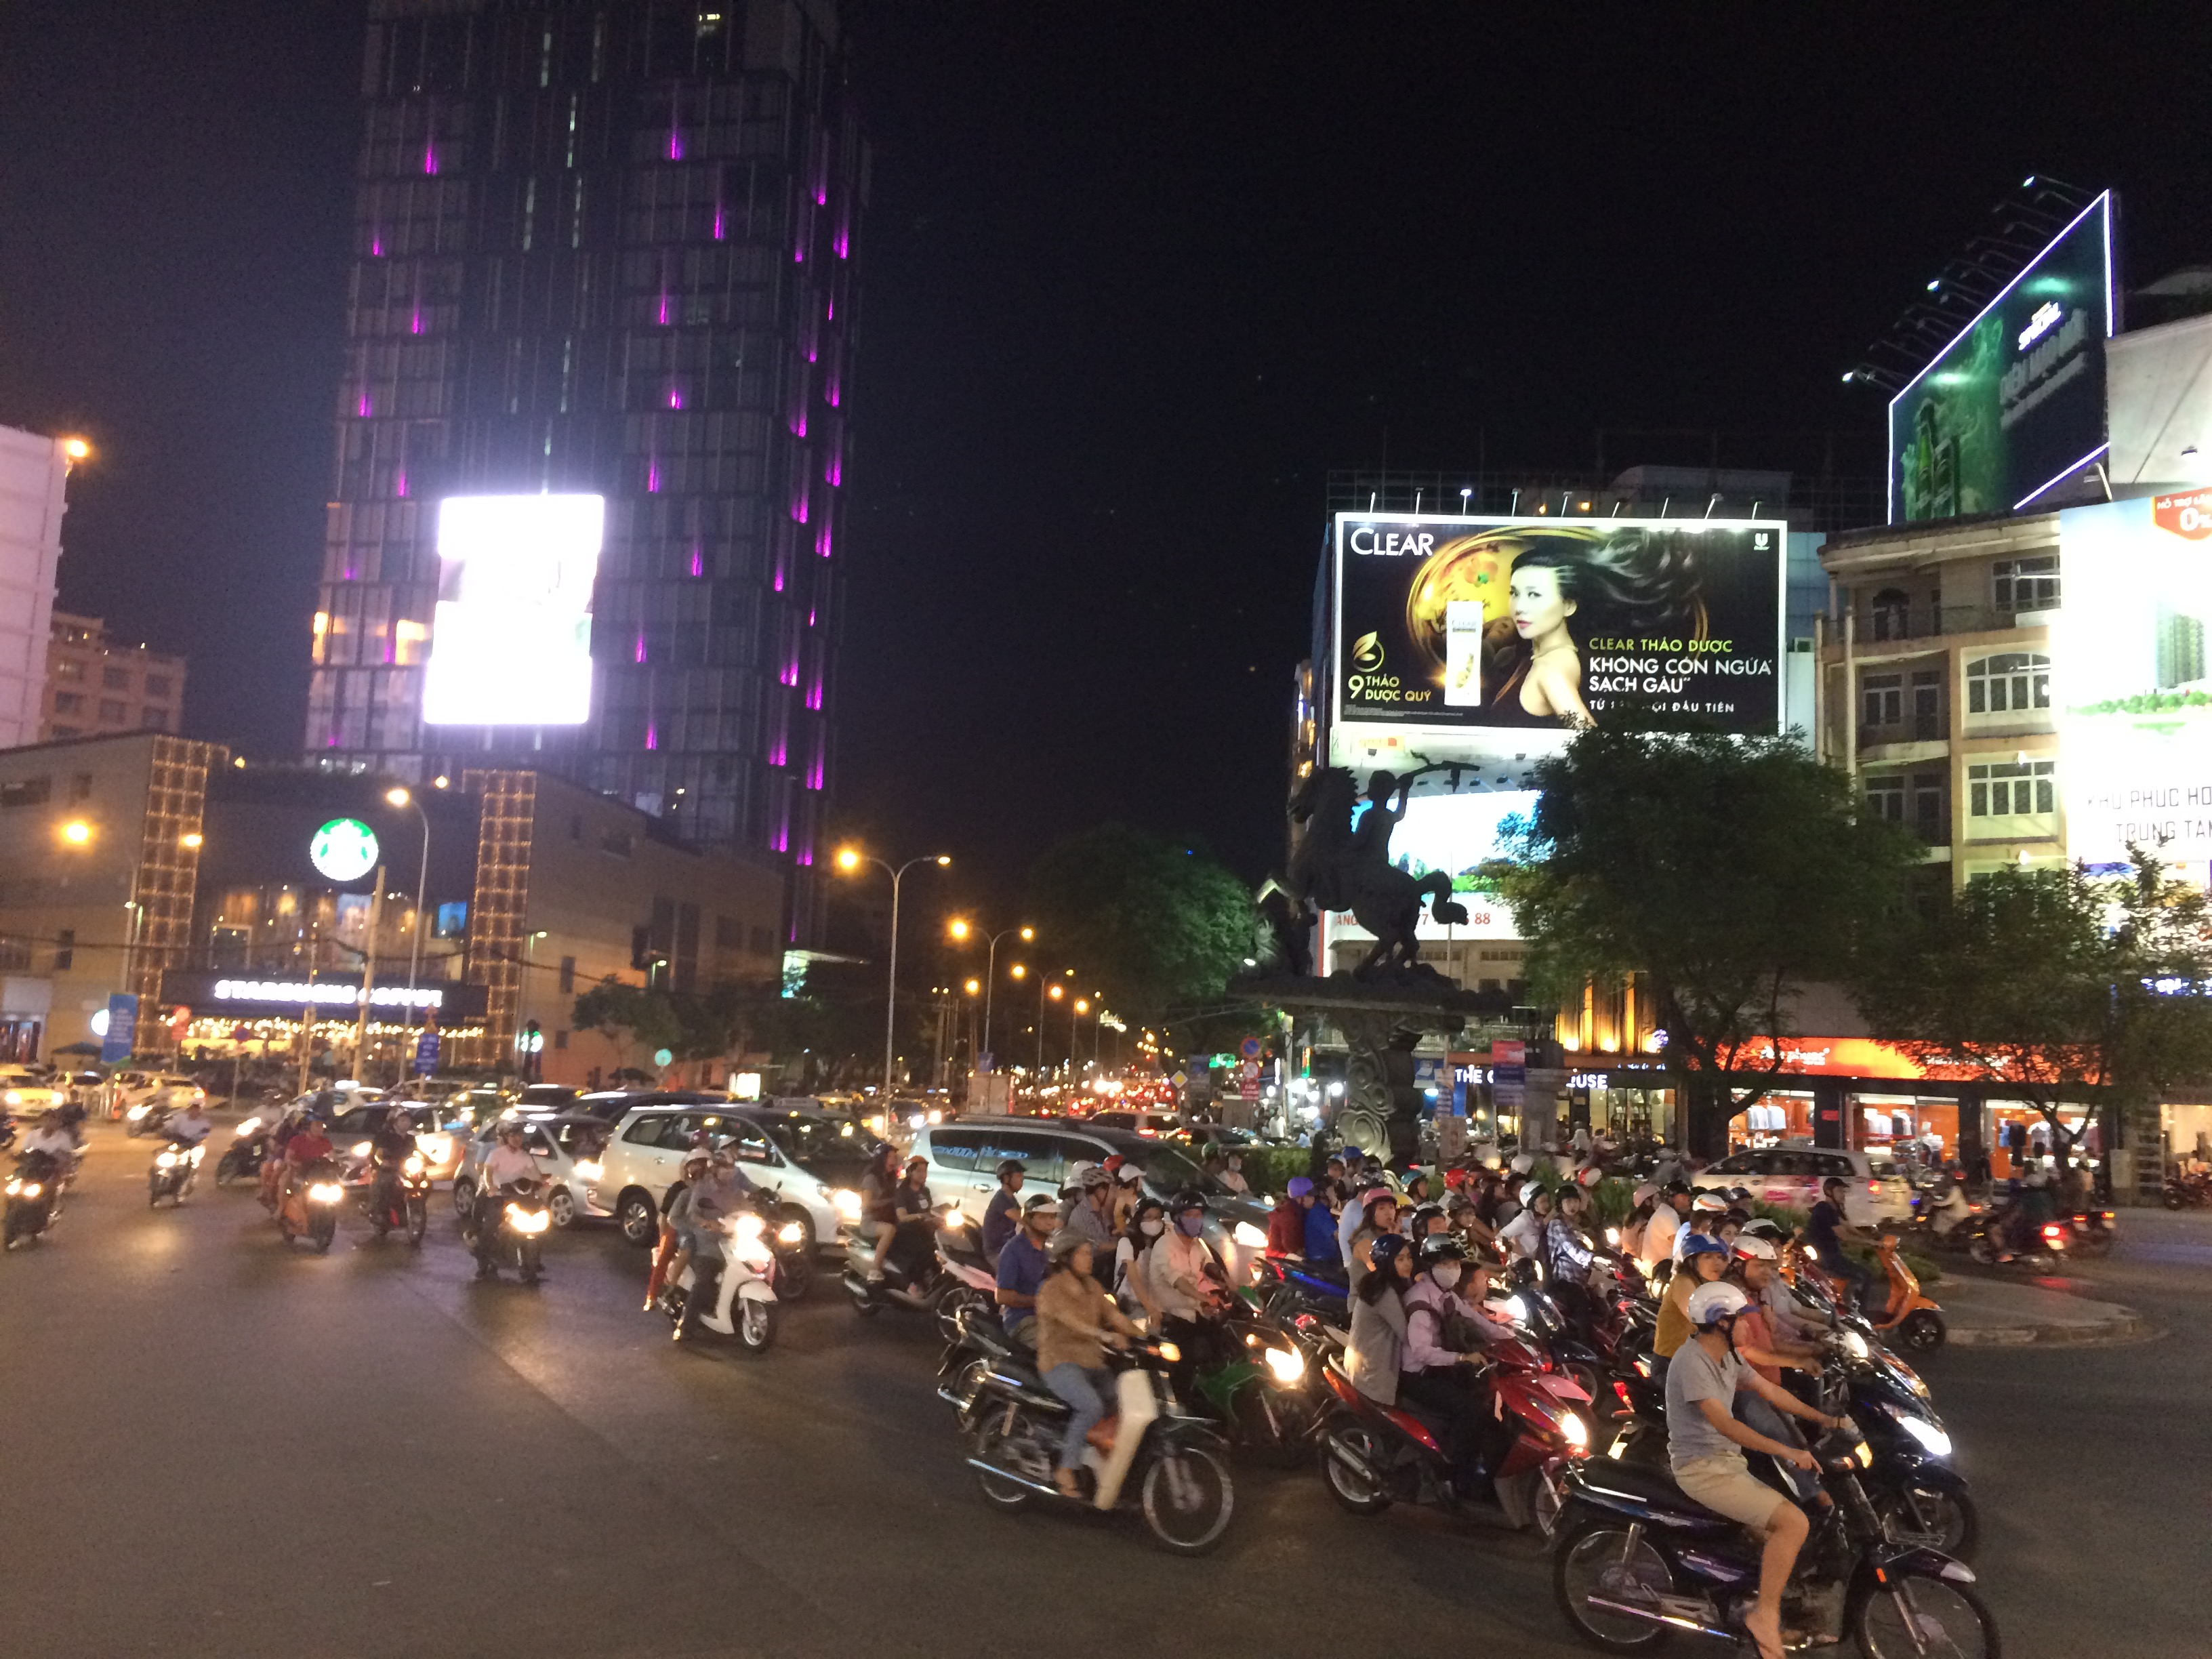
<point x="607" y="247"/>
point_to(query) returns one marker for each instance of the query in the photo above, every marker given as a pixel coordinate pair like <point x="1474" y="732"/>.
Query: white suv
<point x="646" y="1155"/>
<point x="1876" y="1191"/>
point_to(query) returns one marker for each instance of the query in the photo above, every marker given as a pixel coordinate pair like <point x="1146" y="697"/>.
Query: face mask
<point x="1446" y="1274"/>
<point x="1192" y="1225"/>
<point x="1152" y="1229"/>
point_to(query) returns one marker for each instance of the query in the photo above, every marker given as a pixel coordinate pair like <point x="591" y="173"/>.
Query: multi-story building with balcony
<point x="1934" y="684"/>
<point x="98" y="686"/>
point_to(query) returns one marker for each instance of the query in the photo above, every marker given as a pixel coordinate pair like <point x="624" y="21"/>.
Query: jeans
<point x="1473" y="1440"/>
<point x="1857" y="1274"/>
<point x="1756" y="1415"/>
<point x="1084" y="1389"/>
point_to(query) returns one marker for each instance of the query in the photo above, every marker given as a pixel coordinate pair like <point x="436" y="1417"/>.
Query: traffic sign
<point x="426" y="1053"/>
<point x="1249" y="1087"/>
<point x="1180" y="1079"/>
<point x="1250" y="1047"/>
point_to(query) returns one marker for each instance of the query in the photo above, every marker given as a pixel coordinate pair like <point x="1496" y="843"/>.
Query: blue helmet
<point x="1387" y="1247"/>
<point x="1702" y="1244"/>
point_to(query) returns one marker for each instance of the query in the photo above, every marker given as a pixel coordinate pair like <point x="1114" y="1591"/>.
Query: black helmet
<point x="1012" y="1166"/>
<point x="1423" y="1214"/>
<point x="1672" y="1187"/>
<point x="1188" y="1199"/>
<point x="1438" y="1247"/>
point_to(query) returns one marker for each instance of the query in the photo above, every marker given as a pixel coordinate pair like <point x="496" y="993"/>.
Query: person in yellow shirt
<point x="1704" y="1260"/>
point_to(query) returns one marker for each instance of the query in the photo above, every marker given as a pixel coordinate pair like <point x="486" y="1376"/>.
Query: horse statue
<point x="1336" y="866"/>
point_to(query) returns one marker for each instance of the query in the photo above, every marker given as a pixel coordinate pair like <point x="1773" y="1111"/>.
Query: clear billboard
<point x="2015" y="403"/>
<point x="511" y="639"/>
<point x="1466" y="636"/>
<point x="2129" y="677"/>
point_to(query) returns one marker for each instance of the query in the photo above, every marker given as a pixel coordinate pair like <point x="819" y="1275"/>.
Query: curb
<point x="2133" y="1329"/>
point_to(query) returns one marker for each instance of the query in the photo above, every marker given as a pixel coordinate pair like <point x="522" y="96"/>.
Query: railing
<point x="1886" y="624"/>
<point x="1917" y="729"/>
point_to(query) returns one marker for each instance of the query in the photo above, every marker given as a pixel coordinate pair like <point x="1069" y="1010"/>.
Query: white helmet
<point x="1530" y="1190"/>
<point x="1523" y="1163"/>
<point x="1644" y="1193"/>
<point x="1750" y="1247"/>
<point x="1709" y="1203"/>
<point x="1715" y="1301"/>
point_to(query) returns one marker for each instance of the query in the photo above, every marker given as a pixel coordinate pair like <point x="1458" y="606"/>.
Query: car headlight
<point x="1249" y="1237"/>
<point x="166" y="1161"/>
<point x="1574" y="1431"/>
<point x="1933" y="1440"/>
<point x="589" y="1170"/>
<point x="1288" y="1364"/>
<point x="14" y="1097"/>
<point x="436" y="1148"/>
<point x="847" y="1203"/>
<point x="325" y="1192"/>
<point x="790" y="1233"/>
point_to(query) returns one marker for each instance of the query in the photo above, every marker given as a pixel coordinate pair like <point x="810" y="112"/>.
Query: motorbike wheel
<point x="465" y="1200"/>
<point x="2174" y="1200"/>
<point x="946" y="1307"/>
<point x="1596" y="1559"/>
<point x="380" y="1218"/>
<point x="1917" y="1613"/>
<point x="1921" y="1332"/>
<point x="1000" y="1492"/>
<point x="1277" y="1427"/>
<point x="757" y="1325"/>
<point x="229" y="1168"/>
<point x="1356" y="1490"/>
<point x="1981" y="1251"/>
<point x="864" y="1304"/>
<point x="320" y="1233"/>
<point x="153" y="1191"/>
<point x="1604" y="1403"/>
<point x="418" y="1219"/>
<point x="533" y="1262"/>
<point x="1945" y="1522"/>
<point x="12" y="1226"/>
<point x="1188" y="1497"/>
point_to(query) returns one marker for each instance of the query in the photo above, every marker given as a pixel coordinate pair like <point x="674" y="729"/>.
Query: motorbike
<point x="1266" y="1395"/>
<point x="1635" y="1559"/>
<point x="2091" y="1232"/>
<point x="1993" y="1240"/>
<point x="248" y="1149"/>
<point x="1374" y="1455"/>
<point x="148" y="1117"/>
<point x="735" y="1295"/>
<point x="176" y="1167"/>
<point x="310" y="1209"/>
<point x="397" y="1197"/>
<point x="6" y="1129"/>
<point x="913" y="1276"/>
<point x="34" y="1195"/>
<point x="965" y="1276"/>
<point x="2187" y="1190"/>
<point x="518" y="1219"/>
<point x="1152" y="1457"/>
<point x="1912" y="1321"/>
<point x="1289" y="1286"/>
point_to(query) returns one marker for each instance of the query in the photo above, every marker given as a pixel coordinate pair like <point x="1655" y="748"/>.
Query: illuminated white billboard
<point x="2130" y="678"/>
<point x="1457" y="835"/>
<point x="511" y="641"/>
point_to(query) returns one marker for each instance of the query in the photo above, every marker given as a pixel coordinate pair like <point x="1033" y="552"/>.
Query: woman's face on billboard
<point x="1538" y="612"/>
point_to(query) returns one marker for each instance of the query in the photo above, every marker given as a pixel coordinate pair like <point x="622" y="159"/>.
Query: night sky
<point x="1136" y="277"/>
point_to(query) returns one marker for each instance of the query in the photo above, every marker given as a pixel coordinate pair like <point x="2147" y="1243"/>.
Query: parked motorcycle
<point x="2188" y="1191"/>
<point x="248" y="1150"/>
<point x="34" y="1195"/>
<point x="397" y="1197"/>
<point x="733" y="1295"/>
<point x="1635" y="1559"/>
<point x="1374" y="1455"/>
<point x="310" y="1209"/>
<point x="518" y="1218"/>
<point x="1152" y="1457"/>
<point x="176" y="1167"/>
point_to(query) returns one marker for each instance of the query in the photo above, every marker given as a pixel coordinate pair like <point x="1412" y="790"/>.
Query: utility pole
<point x="368" y="978"/>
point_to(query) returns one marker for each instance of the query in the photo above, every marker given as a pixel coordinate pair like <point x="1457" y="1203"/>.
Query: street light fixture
<point x="849" y="860"/>
<point x="960" y="929"/>
<point x="77" y="833"/>
<point x="77" y="449"/>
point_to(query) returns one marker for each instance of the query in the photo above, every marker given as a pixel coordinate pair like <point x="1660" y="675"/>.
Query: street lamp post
<point x="960" y="929"/>
<point x="401" y="797"/>
<point x="850" y="859"/>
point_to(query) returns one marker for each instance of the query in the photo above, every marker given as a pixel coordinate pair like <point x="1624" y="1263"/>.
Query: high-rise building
<point x="33" y="473"/>
<point x="98" y="685"/>
<point x="606" y="247"/>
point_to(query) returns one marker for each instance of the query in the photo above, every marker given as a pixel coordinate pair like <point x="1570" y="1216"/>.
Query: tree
<point x="2051" y="984"/>
<point x="1724" y="872"/>
<point x="630" y="1015"/>
<point x="1154" y="924"/>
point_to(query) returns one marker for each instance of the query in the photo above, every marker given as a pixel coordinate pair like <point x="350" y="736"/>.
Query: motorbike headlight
<point x="325" y="1192"/>
<point x="414" y="1166"/>
<point x="14" y="1188"/>
<point x="1855" y="1345"/>
<point x="1288" y="1364"/>
<point x="361" y="1148"/>
<point x="748" y="1226"/>
<point x="135" y="1112"/>
<point x="1249" y="1237"/>
<point x="1933" y="1440"/>
<point x="31" y="1189"/>
<point x="251" y="1126"/>
<point x="14" y="1097"/>
<point x="589" y="1170"/>
<point x="1863" y="1455"/>
<point x="1516" y="1310"/>
<point x="1575" y="1431"/>
<point x="847" y="1203"/>
<point x="166" y="1161"/>
<point x="1169" y="1352"/>
<point x="1612" y="1235"/>
<point x="525" y="1221"/>
<point x="790" y="1233"/>
<point x="194" y="1156"/>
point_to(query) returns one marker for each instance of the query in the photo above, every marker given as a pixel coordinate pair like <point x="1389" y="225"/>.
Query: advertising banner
<point x="1457" y="835"/>
<point x="2016" y="402"/>
<point x="1471" y="636"/>
<point x="511" y="637"/>
<point x="2130" y="680"/>
<point x="122" y="1033"/>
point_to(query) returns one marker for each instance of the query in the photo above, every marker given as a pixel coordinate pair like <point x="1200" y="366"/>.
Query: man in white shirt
<point x="53" y="1138"/>
<point x="507" y="1162"/>
<point x="190" y="1126"/>
<point x="1658" y="1243"/>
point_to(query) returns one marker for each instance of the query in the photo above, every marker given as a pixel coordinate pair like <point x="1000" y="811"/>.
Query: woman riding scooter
<point x="1075" y="1321"/>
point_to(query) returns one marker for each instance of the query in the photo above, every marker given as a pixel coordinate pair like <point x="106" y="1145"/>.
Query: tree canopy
<point x="1725" y="872"/>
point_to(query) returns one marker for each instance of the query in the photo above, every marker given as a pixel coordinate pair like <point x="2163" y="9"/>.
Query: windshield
<point x="807" y="1141"/>
<point x="1167" y="1168"/>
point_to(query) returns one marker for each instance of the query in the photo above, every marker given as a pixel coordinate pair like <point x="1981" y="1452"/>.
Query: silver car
<point x="567" y="1146"/>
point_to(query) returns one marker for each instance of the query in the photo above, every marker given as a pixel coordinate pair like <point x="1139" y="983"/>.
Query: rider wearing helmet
<point x="1428" y="1220"/>
<point x="1148" y="1223"/>
<point x="1706" y="1211"/>
<point x="1566" y="1251"/>
<point x="1522" y="1236"/>
<point x="1003" y="1214"/>
<point x="1022" y="1267"/>
<point x="1378" y="1216"/>
<point x="1705" y="1445"/>
<point x="674" y="1250"/>
<point x="1658" y="1241"/>
<point x="1090" y="1215"/>
<point x="1375" y="1355"/>
<point x="1287" y="1222"/>
<point x="1185" y="1280"/>
<point x="1752" y="1265"/>
<point x="1433" y="1371"/>
<point x="1704" y="1260"/>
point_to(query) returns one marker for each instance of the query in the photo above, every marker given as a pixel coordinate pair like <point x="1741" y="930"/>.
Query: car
<point x="612" y="1105"/>
<point x="1792" y="1176"/>
<point x="964" y="1154"/>
<point x="645" y="1159"/>
<point x="568" y="1144"/>
<point x="434" y="1133"/>
<point x="149" y="1094"/>
<point x="25" y="1093"/>
<point x="1143" y="1123"/>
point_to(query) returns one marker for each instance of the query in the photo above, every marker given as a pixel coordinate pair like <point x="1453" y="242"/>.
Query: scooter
<point x="966" y="1279"/>
<point x="912" y="1277"/>
<point x="1266" y="1396"/>
<point x="1374" y="1455"/>
<point x="2091" y="1232"/>
<point x="310" y="1209"/>
<point x="736" y="1296"/>
<point x="33" y="1195"/>
<point x="1151" y="1457"/>
<point x="176" y="1166"/>
<point x="519" y="1221"/>
<point x="147" y="1118"/>
<point x="248" y="1149"/>
<point x="1635" y="1559"/>
<point x="1911" y="1321"/>
<point x="397" y="1197"/>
